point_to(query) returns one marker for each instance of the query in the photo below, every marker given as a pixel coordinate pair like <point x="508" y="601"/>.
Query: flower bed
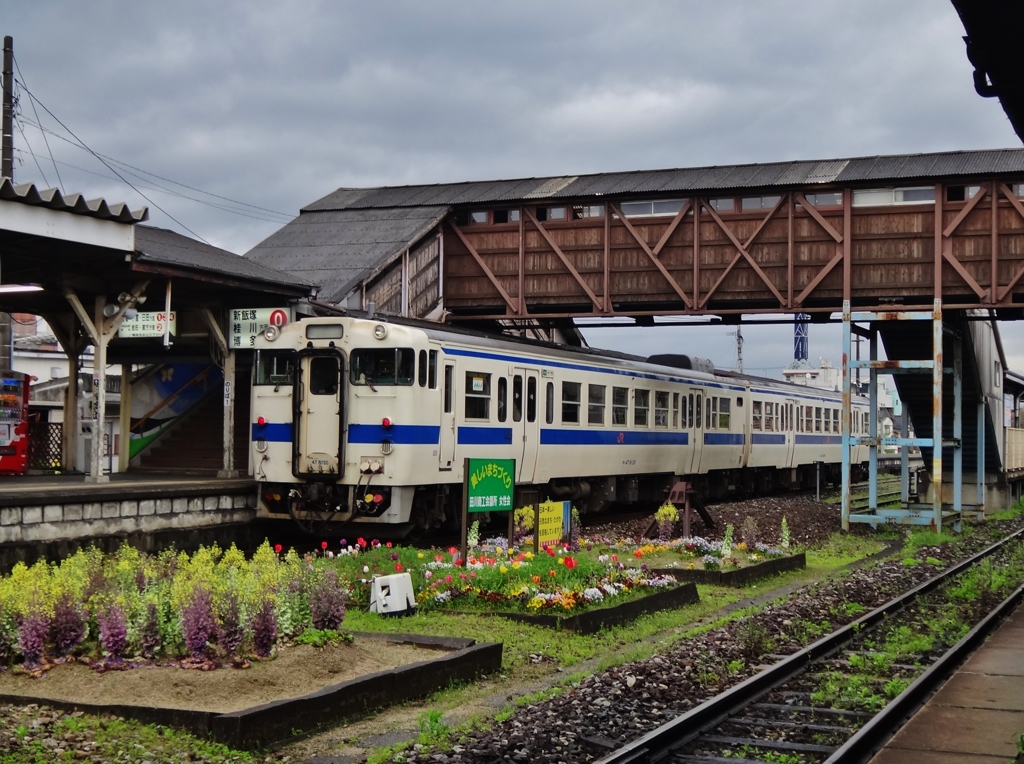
<point x="739" y="576"/>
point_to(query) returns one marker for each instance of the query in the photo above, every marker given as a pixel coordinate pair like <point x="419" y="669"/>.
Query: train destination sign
<point x="246" y="323"/>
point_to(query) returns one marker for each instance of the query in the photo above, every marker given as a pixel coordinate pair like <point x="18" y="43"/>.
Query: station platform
<point x="976" y="716"/>
<point x="16" y="490"/>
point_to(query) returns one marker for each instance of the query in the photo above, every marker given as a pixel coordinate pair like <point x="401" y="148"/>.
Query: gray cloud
<point x="277" y="104"/>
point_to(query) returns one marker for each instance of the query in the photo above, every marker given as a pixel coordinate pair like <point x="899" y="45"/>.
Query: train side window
<point x="517" y="398"/>
<point x="531" y="399"/>
<point x="502" y="399"/>
<point x="711" y="420"/>
<point x="323" y="375"/>
<point x="549" y="404"/>
<point x="275" y="367"/>
<point x="769" y="416"/>
<point x="571" y="402"/>
<point x="817" y="418"/>
<point x="826" y="424"/>
<point x="835" y="420"/>
<point x="697" y="407"/>
<point x="755" y="423"/>
<point x="432" y="370"/>
<point x="689" y="418"/>
<point x="449" y="388"/>
<point x="423" y="368"/>
<point x="641" y="407"/>
<point x="682" y="413"/>
<point x="867" y="423"/>
<point x="478" y="395"/>
<point x="620" y="405"/>
<point x="595" y="404"/>
<point x="675" y="410"/>
<point x="724" y="413"/>
<point x="660" y="408"/>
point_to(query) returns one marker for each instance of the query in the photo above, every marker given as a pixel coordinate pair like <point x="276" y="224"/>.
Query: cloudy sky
<point x="230" y="116"/>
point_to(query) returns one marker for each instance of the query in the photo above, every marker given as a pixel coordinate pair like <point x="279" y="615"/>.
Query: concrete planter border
<point x="591" y="621"/>
<point x="739" y="577"/>
<point x="276" y="721"/>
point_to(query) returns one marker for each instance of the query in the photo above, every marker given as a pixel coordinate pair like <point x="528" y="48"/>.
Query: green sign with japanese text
<point x="490" y="484"/>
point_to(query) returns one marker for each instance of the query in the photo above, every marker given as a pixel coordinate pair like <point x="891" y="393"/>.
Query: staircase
<point x="195" y="445"/>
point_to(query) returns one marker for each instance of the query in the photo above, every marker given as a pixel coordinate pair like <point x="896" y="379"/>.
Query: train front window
<point x="323" y="375"/>
<point x="383" y="366"/>
<point x="275" y="367"/>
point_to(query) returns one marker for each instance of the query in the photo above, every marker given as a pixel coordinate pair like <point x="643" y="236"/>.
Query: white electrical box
<point x="392" y="595"/>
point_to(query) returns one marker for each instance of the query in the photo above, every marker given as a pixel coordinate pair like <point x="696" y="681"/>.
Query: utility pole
<point x="739" y="348"/>
<point x="7" y="166"/>
<point x="7" y="171"/>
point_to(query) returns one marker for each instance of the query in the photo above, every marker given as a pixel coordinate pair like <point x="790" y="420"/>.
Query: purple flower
<point x="344" y="542"/>
<point x="264" y="629"/>
<point x="327" y="601"/>
<point x="67" y="628"/>
<point x="150" y="636"/>
<point x="231" y="632"/>
<point x="32" y="637"/>
<point x="394" y="555"/>
<point x="114" y="631"/>
<point x="197" y="623"/>
<point x="643" y="567"/>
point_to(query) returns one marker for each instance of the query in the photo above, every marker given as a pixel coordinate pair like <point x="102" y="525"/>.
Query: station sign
<point x="149" y="324"/>
<point x="246" y="323"/>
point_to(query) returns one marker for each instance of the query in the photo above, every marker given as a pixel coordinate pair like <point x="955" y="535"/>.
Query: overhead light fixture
<point x="12" y="288"/>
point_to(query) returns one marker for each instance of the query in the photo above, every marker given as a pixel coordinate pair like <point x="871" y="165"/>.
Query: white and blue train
<point x="369" y="421"/>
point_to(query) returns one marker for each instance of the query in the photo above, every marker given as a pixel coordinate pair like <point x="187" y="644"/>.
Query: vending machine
<point x="14" y="389"/>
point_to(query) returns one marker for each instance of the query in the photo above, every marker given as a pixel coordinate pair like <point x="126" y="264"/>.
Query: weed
<point x="895" y="686"/>
<point x="920" y="539"/>
<point x="933" y="561"/>
<point x="754" y="638"/>
<point x="21" y="731"/>
<point x="321" y="637"/>
<point x="910" y="562"/>
<point x="735" y="667"/>
<point x="433" y="731"/>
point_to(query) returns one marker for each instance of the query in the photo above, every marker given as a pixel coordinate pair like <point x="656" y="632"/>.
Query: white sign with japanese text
<point x="152" y="324"/>
<point x="246" y="323"/>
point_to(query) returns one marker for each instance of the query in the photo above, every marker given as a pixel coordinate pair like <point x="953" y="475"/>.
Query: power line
<point x="21" y="77"/>
<point x="285" y="215"/>
<point x="123" y="179"/>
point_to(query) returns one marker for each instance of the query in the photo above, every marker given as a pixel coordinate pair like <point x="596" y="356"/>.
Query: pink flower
<point x="428" y="575"/>
<point x="615" y="558"/>
<point x="447" y="579"/>
<point x="389" y="545"/>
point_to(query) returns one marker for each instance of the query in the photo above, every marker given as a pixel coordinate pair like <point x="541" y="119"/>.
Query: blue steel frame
<point x="909" y="514"/>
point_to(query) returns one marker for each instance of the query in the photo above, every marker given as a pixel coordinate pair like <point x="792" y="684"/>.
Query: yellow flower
<point x="503" y="569"/>
<point x="561" y="561"/>
<point x="691" y="566"/>
<point x="515" y="565"/>
<point x="529" y="555"/>
<point x="420" y="555"/>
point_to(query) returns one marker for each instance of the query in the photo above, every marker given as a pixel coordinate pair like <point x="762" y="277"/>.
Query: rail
<point x="669" y="739"/>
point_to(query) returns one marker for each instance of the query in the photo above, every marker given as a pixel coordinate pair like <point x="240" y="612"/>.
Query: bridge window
<point x="478" y="395"/>
<point x="723" y="413"/>
<point x="551" y="213"/>
<point x="755" y="423"/>
<point x="386" y="366"/>
<point x="595" y="404"/>
<point x="505" y="216"/>
<point x="877" y="197"/>
<point x="641" y="407"/>
<point x="834" y="199"/>
<point x="961" y="193"/>
<point x="759" y="202"/>
<point x="588" y="211"/>
<point x="652" y="207"/>
<point x="571" y="402"/>
<point x="724" y="204"/>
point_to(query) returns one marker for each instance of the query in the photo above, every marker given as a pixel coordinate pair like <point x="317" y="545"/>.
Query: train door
<point x="318" y="413"/>
<point x="695" y="424"/>
<point x="525" y="424"/>
<point x="446" y="448"/>
<point x="790" y="411"/>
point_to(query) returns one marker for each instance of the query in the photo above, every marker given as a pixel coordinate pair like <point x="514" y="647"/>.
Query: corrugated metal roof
<point x="717" y="179"/>
<point x="76" y="204"/>
<point x="336" y="249"/>
<point x="158" y="245"/>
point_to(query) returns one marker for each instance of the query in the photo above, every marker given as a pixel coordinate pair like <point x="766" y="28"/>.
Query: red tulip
<point x="398" y="567"/>
<point x="551" y="573"/>
<point x="638" y="554"/>
<point x="278" y="548"/>
<point x="389" y="545"/>
<point x="570" y="563"/>
<point x="323" y="544"/>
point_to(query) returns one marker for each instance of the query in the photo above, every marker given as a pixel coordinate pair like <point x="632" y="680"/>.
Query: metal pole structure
<point x="7" y="162"/>
<point x="981" y="458"/>
<point x="937" y="416"/>
<point x="847" y="405"/>
<point x="958" y="422"/>
<point x="904" y="456"/>
<point x="873" y="422"/>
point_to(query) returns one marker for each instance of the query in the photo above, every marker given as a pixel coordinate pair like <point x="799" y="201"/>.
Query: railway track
<point x="786" y="713"/>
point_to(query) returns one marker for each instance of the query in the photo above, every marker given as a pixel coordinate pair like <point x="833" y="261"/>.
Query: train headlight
<point x="380" y="331"/>
<point x="271" y="333"/>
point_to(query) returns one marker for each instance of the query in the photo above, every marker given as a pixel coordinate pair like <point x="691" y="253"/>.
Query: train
<point x="368" y="421"/>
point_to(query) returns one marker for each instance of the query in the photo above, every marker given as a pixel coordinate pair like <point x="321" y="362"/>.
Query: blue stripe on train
<point x="484" y="436"/>
<point x="776" y="439"/>
<point x="819" y="440"/>
<point x="552" y="437"/>
<point x="723" y="439"/>
<point x="406" y="434"/>
<point x="275" y="432"/>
